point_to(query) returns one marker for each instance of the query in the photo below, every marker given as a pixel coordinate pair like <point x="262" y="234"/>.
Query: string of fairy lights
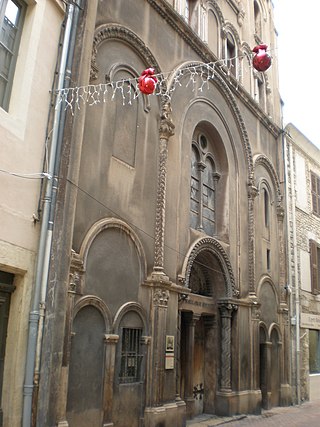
<point x="194" y="76"/>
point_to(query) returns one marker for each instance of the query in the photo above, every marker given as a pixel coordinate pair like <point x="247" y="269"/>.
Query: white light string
<point x="128" y="89"/>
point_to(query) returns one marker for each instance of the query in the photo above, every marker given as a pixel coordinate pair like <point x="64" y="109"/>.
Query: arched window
<point x="231" y="54"/>
<point x="266" y="208"/>
<point x="257" y="19"/>
<point x="203" y="183"/>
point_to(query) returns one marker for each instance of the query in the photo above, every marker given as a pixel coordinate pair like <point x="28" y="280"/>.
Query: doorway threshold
<point x="209" y="420"/>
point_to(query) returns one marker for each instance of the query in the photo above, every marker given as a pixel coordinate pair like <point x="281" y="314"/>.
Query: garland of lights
<point x="149" y="83"/>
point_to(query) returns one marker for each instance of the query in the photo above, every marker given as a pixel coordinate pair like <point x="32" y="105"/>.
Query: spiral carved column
<point x="166" y="130"/>
<point x="225" y="314"/>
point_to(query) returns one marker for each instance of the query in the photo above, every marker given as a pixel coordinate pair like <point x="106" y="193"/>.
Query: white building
<point x="29" y="42"/>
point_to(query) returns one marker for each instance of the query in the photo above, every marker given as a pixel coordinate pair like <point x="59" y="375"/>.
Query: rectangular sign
<point x="310" y="321"/>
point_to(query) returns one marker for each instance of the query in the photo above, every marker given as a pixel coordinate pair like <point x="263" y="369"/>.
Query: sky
<point x="298" y="26"/>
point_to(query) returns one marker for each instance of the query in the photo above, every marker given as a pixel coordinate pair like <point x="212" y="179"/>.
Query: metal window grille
<point x="131" y="357"/>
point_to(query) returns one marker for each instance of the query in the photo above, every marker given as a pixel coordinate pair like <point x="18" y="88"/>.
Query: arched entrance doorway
<point x="201" y="332"/>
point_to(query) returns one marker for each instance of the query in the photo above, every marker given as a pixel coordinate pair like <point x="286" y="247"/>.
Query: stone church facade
<point x="166" y="294"/>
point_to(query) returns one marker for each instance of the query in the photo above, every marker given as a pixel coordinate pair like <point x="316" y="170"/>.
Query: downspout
<point x="296" y="283"/>
<point x="295" y="305"/>
<point x="45" y="239"/>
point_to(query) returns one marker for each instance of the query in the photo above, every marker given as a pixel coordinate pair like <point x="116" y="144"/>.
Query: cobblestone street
<point x="306" y="414"/>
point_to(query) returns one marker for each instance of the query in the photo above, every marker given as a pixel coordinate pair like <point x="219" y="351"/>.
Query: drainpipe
<point x="296" y="281"/>
<point x="295" y="305"/>
<point x="44" y="250"/>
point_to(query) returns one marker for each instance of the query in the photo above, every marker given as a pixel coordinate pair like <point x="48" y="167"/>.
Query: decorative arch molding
<point x="104" y="224"/>
<point x="209" y="244"/>
<point x="265" y="278"/>
<point x="263" y="326"/>
<point x="212" y="5"/>
<point x="126" y="308"/>
<point x="99" y="304"/>
<point x="230" y="28"/>
<point x="261" y="159"/>
<point x="227" y="93"/>
<point x="115" y="31"/>
<point x="275" y="327"/>
<point x="245" y="47"/>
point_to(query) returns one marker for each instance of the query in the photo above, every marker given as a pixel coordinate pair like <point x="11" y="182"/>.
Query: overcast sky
<point x="298" y="26"/>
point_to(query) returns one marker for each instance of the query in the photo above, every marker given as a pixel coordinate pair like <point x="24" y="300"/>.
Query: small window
<point x="268" y="260"/>
<point x="266" y="208"/>
<point x="315" y="267"/>
<point x="11" y="18"/>
<point x="315" y="193"/>
<point x="131" y="356"/>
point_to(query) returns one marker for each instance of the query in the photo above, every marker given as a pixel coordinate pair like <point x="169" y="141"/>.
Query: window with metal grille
<point x="11" y="20"/>
<point x="131" y="356"/>
<point x="315" y="193"/>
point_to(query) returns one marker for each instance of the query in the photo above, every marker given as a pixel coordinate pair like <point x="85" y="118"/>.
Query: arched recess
<point x="114" y="262"/>
<point x="222" y="86"/>
<point x="207" y="246"/>
<point x="269" y="298"/>
<point x="261" y="159"/>
<point x="215" y="22"/>
<point x="263" y="363"/>
<point x="116" y="223"/>
<point x="246" y="68"/>
<point x="130" y="325"/>
<point x="91" y="322"/>
<point x="275" y="369"/>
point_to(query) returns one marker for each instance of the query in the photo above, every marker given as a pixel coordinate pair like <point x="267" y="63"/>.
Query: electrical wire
<point x="184" y="256"/>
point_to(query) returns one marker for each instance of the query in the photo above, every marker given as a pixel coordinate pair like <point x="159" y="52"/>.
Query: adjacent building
<point x="302" y="161"/>
<point x="29" y="42"/>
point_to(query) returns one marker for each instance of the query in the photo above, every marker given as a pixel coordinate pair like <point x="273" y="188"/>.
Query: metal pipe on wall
<point x="44" y="250"/>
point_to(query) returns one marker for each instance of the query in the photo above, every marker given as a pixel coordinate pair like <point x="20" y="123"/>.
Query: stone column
<point x="255" y="319"/>
<point x="166" y="130"/>
<point x="189" y="398"/>
<point x="111" y="341"/>
<point x="252" y="193"/>
<point x="225" y="314"/>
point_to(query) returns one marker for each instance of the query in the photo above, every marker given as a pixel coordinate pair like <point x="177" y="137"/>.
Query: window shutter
<point x="314" y="266"/>
<point x="315" y="193"/>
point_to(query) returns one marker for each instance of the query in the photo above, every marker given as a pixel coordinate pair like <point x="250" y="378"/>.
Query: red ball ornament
<point x="261" y="60"/>
<point x="147" y="81"/>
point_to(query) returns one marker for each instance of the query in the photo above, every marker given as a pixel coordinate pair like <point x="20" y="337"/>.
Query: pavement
<point x="305" y="415"/>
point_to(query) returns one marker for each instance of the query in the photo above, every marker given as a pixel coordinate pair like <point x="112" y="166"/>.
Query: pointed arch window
<point x="203" y="184"/>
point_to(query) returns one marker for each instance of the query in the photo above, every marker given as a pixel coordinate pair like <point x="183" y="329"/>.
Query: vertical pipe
<point x="296" y="281"/>
<point x="45" y="239"/>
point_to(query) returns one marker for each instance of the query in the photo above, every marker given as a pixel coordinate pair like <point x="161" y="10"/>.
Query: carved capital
<point x="166" y="129"/>
<point x="161" y="297"/>
<point x="252" y="191"/>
